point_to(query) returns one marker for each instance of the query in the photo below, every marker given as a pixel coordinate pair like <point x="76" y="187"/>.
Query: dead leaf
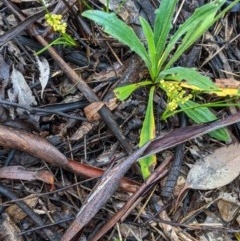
<point x="19" y="172"/>
<point x="173" y="233"/>
<point x="12" y="48"/>
<point x="212" y="220"/>
<point x="128" y="230"/>
<point x="228" y="206"/>
<point x="227" y="83"/>
<point x="217" y="170"/>
<point x="83" y="130"/>
<point x="44" y="72"/>
<point x="228" y="87"/>
<point x="20" y="91"/>
<point x="91" y="111"/>
<point x="129" y="12"/>
<point x="9" y="230"/>
<point x="112" y="103"/>
<point x="17" y="213"/>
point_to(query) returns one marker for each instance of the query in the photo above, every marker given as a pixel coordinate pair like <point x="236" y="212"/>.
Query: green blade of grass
<point x="119" y="30"/>
<point x="163" y="25"/>
<point x="202" y="115"/>
<point x="190" y="37"/>
<point x="148" y="133"/>
<point x="123" y="92"/>
<point x="203" y="17"/>
<point x="147" y="30"/>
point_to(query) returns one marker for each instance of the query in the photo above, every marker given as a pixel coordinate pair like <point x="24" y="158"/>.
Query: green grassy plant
<point x="159" y="54"/>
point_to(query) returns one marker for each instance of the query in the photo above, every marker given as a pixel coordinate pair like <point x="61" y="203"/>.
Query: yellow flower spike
<point x="54" y="20"/>
<point x="57" y="25"/>
<point x="175" y="93"/>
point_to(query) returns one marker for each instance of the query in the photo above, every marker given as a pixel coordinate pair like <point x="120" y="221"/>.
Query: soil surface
<point x="69" y="147"/>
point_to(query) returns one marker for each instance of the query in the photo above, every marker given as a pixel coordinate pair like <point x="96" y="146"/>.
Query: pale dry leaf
<point x="228" y="206"/>
<point x="227" y="83"/>
<point x="83" y="130"/>
<point x="9" y="231"/>
<point x="91" y="111"/>
<point x="213" y="235"/>
<point x="112" y="103"/>
<point x="173" y="233"/>
<point x="20" y="172"/>
<point x="128" y="231"/>
<point x="12" y="20"/>
<point x="228" y="210"/>
<point x="106" y="156"/>
<point x="20" y="91"/>
<point x="17" y="213"/>
<point x="216" y="170"/>
<point x="12" y="48"/>
<point x="44" y="72"/>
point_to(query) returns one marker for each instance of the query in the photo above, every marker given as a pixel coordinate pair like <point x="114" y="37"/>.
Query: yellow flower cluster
<point x="54" y="20"/>
<point x="175" y="93"/>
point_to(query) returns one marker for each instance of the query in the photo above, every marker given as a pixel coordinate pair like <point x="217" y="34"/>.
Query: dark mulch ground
<point x="55" y="187"/>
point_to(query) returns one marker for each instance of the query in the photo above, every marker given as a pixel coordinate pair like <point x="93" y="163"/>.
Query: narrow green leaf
<point x="148" y="129"/>
<point x="204" y="17"/>
<point x="119" y="30"/>
<point x="148" y="133"/>
<point x="190" y="75"/>
<point x="123" y="92"/>
<point x="147" y="165"/>
<point x="226" y="9"/>
<point x="163" y="24"/>
<point x="202" y="115"/>
<point x="190" y="38"/>
<point x="221" y="135"/>
<point x="147" y="30"/>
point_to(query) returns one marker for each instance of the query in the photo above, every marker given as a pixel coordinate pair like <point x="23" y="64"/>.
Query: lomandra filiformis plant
<point x="155" y="54"/>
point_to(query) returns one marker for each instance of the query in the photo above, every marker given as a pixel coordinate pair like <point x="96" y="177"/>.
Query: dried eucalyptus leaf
<point x="20" y="91"/>
<point x="216" y="170"/>
<point x="44" y="72"/>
